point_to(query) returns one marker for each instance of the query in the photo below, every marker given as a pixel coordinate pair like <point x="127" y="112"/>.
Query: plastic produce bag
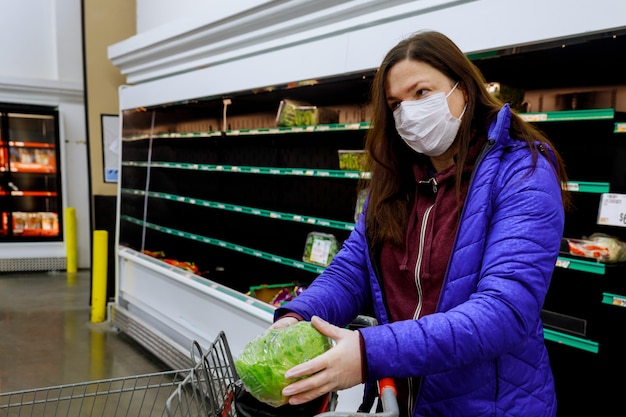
<point x="599" y="246"/>
<point x="265" y="359"/>
<point x="320" y="248"/>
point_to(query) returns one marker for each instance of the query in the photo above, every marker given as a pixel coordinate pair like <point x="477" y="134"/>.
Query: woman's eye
<point x="421" y="93"/>
<point x="394" y="105"/>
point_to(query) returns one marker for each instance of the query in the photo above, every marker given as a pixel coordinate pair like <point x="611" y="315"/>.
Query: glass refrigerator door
<point x="30" y="192"/>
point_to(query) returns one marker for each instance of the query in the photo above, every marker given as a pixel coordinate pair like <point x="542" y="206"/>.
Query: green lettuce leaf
<point x="265" y="359"/>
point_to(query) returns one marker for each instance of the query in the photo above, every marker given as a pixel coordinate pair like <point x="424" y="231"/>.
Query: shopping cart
<point x="210" y="388"/>
<point x="213" y="389"/>
<point x="136" y="396"/>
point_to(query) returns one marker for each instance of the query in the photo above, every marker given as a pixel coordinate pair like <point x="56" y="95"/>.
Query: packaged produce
<point x="320" y="248"/>
<point x="360" y="201"/>
<point x="189" y="266"/>
<point x="285" y="295"/>
<point x="296" y="113"/>
<point x="599" y="246"/>
<point x="276" y="294"/>
<point x="265" y="359"/>
<point x="154" y="254"/>
<point x="352" y="160"/>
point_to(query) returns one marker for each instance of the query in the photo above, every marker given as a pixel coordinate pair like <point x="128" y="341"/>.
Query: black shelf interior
<point x="581" y="61"/>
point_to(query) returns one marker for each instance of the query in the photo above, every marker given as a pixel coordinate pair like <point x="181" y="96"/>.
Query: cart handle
<point x="389" y="397"/>
<point x="387" y="392"/>
<point x="386" y="383"/>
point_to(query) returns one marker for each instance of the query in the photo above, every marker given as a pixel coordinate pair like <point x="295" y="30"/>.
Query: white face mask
<point x="427" y="125"/>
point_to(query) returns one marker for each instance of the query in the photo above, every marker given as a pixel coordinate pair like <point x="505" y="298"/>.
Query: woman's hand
<point x="338" y="368"/>
<point x="283" y="322"/>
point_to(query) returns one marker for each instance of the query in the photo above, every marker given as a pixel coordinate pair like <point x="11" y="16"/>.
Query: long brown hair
<point x="392" y="180"/>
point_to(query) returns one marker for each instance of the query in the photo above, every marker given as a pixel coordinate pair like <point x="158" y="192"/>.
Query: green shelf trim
<point x="334" y="127"/>
<point x="573" y="341"/>
<point x="335" y="224"/>
<point x="222" y="289"/>
<point x="559" y="116"/>
<point x="174" y="135"/>
<point x="620" y="127"/>
<point x="581" y="265"/>
<point x="298" y="172"/>
<point x="482" y="55"/>
<point x="227" y="245"/>
<point x="588" y="187"/>
<point x="614" y="299"/>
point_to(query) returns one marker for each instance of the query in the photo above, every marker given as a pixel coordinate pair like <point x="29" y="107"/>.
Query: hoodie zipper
<point x="418" y="284"/>
<point x="418" y="264"/>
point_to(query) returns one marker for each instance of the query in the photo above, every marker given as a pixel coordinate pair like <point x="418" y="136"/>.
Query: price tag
<point x="618" y="301"/>
<point x="534" y="117"/>
<point x="562" y="263"/>
<point x="612" y="210"/>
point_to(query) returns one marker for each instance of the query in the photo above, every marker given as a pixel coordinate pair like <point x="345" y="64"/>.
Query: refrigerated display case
<point x="30" y="177"/>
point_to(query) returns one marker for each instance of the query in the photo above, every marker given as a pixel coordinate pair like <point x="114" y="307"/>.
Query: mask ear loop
<point x="452" y="91"/>
<point x="463" y="112"/>
<point x="453" y="88"/>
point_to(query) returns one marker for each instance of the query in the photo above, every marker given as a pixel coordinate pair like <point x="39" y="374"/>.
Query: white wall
<point x="28" y="46"/>
<point x="41" y="63"/>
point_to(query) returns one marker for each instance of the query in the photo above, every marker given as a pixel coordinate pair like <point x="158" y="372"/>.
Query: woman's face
<point x="415" y="80"/>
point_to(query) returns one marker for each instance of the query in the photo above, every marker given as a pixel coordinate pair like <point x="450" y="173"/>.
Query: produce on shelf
<point x="360" y="201"/>
<point x="599" y="246"/>
<point x="320" y="248"/>
<point x="355" y="160"/>
<point x="296" y="113"/>
<point x="265" y="359"/>
<point x="285" y="295"/>
<point x="189" y="266"/>
<point x="276" y="294"/>
<point x="154" y="254"/>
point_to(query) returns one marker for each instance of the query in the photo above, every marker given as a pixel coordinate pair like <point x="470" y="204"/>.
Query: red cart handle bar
<point x="387" y="393"/>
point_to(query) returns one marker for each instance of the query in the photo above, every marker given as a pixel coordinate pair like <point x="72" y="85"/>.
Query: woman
<point x="453" y="253"/>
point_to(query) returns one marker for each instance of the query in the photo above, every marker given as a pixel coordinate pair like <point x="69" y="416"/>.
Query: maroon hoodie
<point x="412" y="288"/>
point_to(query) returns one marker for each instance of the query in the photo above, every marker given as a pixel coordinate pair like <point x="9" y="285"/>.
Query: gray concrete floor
<point x="47" y="337"/>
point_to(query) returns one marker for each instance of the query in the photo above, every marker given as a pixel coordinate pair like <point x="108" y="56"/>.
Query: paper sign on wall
<point x="110" y="146"/>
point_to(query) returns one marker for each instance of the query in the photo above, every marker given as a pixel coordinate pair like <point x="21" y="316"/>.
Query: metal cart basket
<point x="208" y="389"/>
<point x="140" y="396"/>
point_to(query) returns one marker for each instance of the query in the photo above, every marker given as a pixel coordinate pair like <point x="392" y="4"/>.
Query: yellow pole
<point x="99" y="276"/>
<point x="71" y="248"/>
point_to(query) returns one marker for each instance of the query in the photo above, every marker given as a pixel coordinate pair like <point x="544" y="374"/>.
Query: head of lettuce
<point x="265" y="359"/>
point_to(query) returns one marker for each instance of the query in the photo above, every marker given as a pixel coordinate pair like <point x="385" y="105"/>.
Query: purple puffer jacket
<point x="482" y="353"/>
